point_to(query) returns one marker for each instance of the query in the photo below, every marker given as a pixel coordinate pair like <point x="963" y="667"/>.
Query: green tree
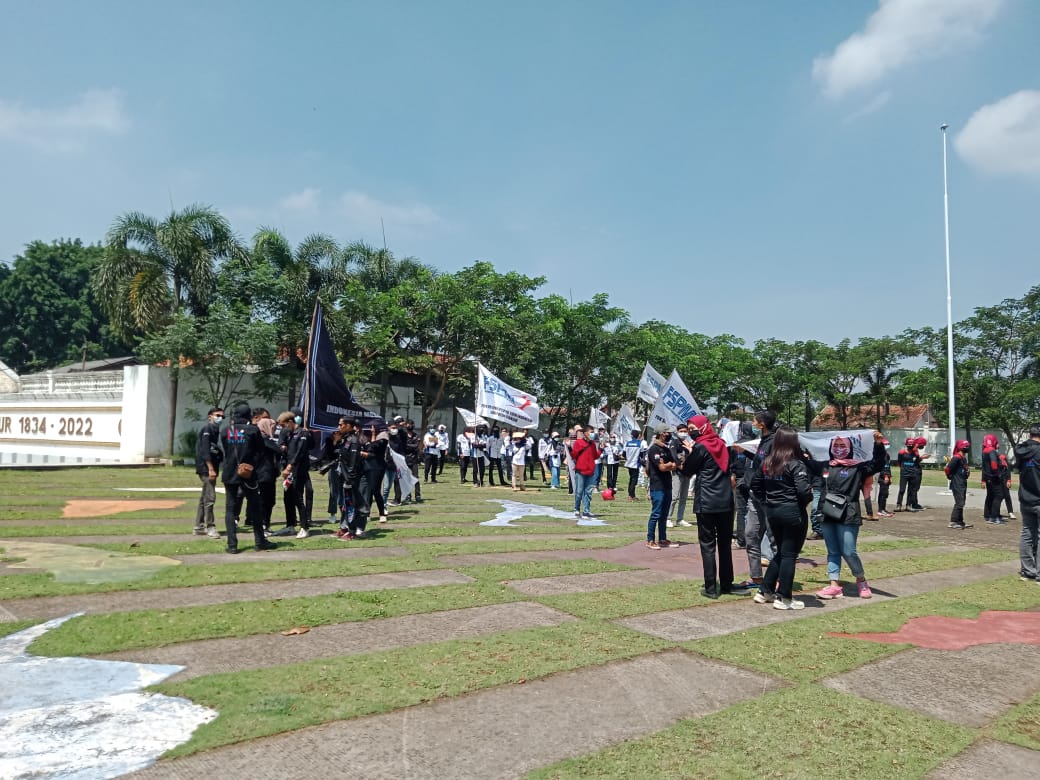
<point x="882" y="358"/>
<point x="47" y="314"/>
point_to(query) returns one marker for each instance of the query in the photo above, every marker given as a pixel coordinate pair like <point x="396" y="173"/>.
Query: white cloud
<point x="364" y="210"/>
<point x="871" y="106"/>
<point x="306" y="199"/>
<point x="65" y="128"/>
<point x="900" y="33"/>
<point x="1004" y="137"/>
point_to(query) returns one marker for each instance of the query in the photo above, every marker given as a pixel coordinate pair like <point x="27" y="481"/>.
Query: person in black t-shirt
<point x="659" y="467"/>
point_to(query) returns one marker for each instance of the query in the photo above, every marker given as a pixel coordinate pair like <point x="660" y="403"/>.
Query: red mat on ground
<point x="945" y="633"/>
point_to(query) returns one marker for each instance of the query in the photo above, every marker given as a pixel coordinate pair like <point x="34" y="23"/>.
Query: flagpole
<point x="307" y="371"/>
<point x="949" y="303"/>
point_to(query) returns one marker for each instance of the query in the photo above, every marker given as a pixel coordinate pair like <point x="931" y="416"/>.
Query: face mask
<point x="393" y="431"/>
<point x="756" y="431"/>
<point x="298" y="419"/>
<point x="683" y="436"/>
<point x="218" y="417"/>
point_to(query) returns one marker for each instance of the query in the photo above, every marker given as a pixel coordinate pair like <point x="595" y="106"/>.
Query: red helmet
<point x="962" y="445"/>
<point x="989" y="440"/>
<point x="920" y="441"/>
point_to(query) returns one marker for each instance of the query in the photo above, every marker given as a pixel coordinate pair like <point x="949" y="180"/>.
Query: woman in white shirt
<point x="520" y="446"/>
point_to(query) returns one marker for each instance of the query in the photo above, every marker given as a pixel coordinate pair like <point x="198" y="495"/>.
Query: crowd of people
<point x="769" y="498"/>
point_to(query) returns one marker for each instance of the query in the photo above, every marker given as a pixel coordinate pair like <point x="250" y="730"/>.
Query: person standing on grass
<point x="555" y="459"/>
<point x="442" y="447"/>
<point x="464" y="449"/>
<point x="957" y="472"/>
<point x="784" y="488"/>
<point x="479" y="450"/>
<point x="207" y="465"/>
<point x="706" y="457"/>
<point x="242" y="447"/>
<point x="518" y="459"/>
<point x="585" y="453"/>
<point x="659" y="467"/>
<point x="908" y="461"/>
<point x="996" y="478"/>
<point x="884" y="478"/>
<point x="756" y="531"/>
<point x="431" y="455"/>
<point x="267" y="471"/>
<point x="1005" y="484"/>
<point x="297" y="476"/>
<point x="739" y="462"/>
<point x="494" y="457"/>
<point x="633" y="455"/>
<point x="412" y="453"/>
<point x="680" y="481"/>
<point x="1027" y="461"/>
<point x="845" y="478"/>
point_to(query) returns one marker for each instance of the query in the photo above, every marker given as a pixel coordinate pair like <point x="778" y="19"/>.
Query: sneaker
<point x="864" y="589"/>
<point x="915" y="509"/>
<point x="899" y="507"/>
<point x="960" y="526"/>
<point x="289" y="530"/>
<point x="1025" y="577"/>
<point x="231" y="551"/>
<point x="1011" y="515"/>
<point x="668" y="543"/>
<point x="266" y="546"/>
<point x="267" y="533"/>
<point x="1000" y="521"/>
<point x="578" y="515"/>
<point x="588" y="516"/>
<point x="393" y="503"/>
<point x="212" y="533"/>
<point x="653" y="545"/>
<point x="815" y="536"/>
<point x="686" y="524"/>
<point x="303" y="533"/>
<point x="709" y="593"/>
<point x="332" y="519"/>
<point x="669" y="524"/>
<point x="987" y="520"/>
<point x="359" y="535"/>
<point x="764" y="598"/>
<point x="788" y="604"/>
<point x="830" y="592"/>
<point x="884" y="513"/>
<point x="199" y="531"/>
<point x="383" y="518"/>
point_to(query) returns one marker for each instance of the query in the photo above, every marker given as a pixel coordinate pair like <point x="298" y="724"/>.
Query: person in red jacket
<point x="584" y="452"/>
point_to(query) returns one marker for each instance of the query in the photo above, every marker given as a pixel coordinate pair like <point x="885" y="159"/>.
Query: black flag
<point x="326" y="396"/>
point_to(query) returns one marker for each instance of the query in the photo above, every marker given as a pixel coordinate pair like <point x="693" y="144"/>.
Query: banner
<point x="730" y="432"/>
<point x="675" y="404"/>
<point x="818" y="444"/>
<point x="650" y="384"/>
<point x="598" y="419"/>
<point x="326" y="396"/>
<point x="405" y="477"/>
<point x="472" y="420"/>
<point x="498" y="401"/>
<point x="624" y="423"/>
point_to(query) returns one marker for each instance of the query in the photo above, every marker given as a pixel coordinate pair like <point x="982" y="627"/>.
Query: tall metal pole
<point x="949" y="303"/>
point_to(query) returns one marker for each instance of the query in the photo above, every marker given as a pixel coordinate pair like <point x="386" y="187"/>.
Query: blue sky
<point x="731" y="167"/>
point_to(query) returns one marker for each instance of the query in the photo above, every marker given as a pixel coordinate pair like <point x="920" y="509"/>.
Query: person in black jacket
<point x="844" y="477"/>
<point x="242" y="444"/>
<point x="267" y="470"/>
<point x="207" y="464"/>
<point x="994" y="476"/>
<point x="412" y="451"/>
<point x="707" y="458"/>
<point x="297" y="476"/>
<point x="783" y="486"/>
<point x="957" y="472"/>
<point x="1027" y="461"/>
<point x="739" y="462"/>
<point x="757" y="535"/>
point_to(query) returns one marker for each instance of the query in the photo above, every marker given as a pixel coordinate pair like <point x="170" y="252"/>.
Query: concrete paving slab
<point x="169" y="598"/>
<point x="504" y="732"/>
<point x="496" y="559"/>
<point x="970" y="687"/>
<point x="512" y="535"/>
<point x="344" y="553"/>
<point x="684" y="625"/>
<point x="237" y="654"/>
<point x="585" y="583"/>
<point x="990" y="759"/>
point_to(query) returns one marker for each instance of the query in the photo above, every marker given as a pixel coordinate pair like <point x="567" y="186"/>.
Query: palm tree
<point x="378" y="269"/>
<point x="154" y="269"/>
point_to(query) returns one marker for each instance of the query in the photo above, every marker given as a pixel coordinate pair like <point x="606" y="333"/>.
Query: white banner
<point x="472" y="420"/>
<point x="404" y="474"/>
<point x="498" y="401"/>
<point x="859" y="443"/>
<point x="650" y="384"/>
<point x="730" y="432"/>
<point x="674" y="406"/>
<point x="598" y="419"/>
<point x="624" y="423"/>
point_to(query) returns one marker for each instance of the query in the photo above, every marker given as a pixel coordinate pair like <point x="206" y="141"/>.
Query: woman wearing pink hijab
<point x="707" y="457"/>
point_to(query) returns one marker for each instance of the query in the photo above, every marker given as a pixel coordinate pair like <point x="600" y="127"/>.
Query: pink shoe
<point x="831" y="592"/>
<point x="864" y="589"/>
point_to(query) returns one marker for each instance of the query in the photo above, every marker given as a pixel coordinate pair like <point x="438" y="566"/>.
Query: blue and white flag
<point x="857" y="445"/>
<point x="472" y="420"/>
<point x="597" y="418"/>
<point x="498" y="401"/>
<point x="675" y="405"/>
<point x="650" y="384"/>
<point x="624" y="422"/>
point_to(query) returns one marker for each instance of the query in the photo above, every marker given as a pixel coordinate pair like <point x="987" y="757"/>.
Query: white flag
<point x="498" y="401"/>
<point x="650" y="384"/>
<point x="598" y="419"/>
<point x="859" y="443"/>
<point x="624" y="422"/>
<point x="730" y="432"/>
<point x="404" y="474"/>
<point x="472" y="420"/>
<point x="675" y="404"/>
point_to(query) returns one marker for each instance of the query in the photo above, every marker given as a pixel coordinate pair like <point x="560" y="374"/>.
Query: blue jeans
<point x="583" y="492"/>
<point x="597" y="474"/>
<point x="555" y="475"/>
<point x="816" y="516"/>
<point x="841" y="543"/>
<point x="660" y="502"/>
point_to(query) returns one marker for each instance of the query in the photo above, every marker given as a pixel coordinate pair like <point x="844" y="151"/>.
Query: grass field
<point x="440" y="537"/>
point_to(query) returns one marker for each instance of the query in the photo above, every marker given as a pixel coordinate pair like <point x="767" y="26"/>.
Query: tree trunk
<point x="174" y="388"/>
<point x="384" y="384"/>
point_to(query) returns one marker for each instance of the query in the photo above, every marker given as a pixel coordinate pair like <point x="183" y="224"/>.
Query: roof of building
<point x="912" y="416"/>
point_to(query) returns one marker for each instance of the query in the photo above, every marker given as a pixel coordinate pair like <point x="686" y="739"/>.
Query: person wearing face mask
<point x="431" y="454"/>
<point x="680" y="480"/>
<point x="412" y="449"/>
<point x="659" y="467"/>
<point x="297" y="479"/>
<point x="442" y="446"/>
<point x="611" y="458"/>
<point x="207" y="466"/>
<point x="396" y="442"/>
<point x="757" y="535"/>
<point x="494" y="456"/>
<point x="957" y="472"/>
<point x="479" y="454"/>
<point x="844" y="478"/>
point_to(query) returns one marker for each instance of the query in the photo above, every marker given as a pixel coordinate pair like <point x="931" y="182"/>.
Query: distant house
<point x="909" y="417"/>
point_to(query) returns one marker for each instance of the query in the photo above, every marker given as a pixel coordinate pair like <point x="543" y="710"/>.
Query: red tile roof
<point x="912" y="416"/>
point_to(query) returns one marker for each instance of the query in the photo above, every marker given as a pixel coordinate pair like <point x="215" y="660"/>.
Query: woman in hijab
<point x="844" y="477"/>
<point x="707" y="458"/>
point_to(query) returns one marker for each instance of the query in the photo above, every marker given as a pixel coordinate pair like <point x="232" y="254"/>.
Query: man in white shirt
<point x="464" y="450"/>
<point x="442" y="447"/>
<point x="634" y="449"/>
